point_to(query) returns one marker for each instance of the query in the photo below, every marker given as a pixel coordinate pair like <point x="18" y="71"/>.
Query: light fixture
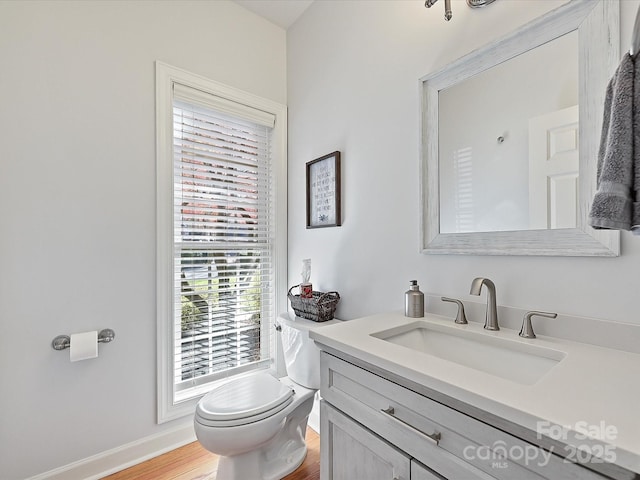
<point x="447" y="6"/>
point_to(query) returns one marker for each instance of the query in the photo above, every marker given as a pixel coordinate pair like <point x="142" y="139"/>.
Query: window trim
<point x="166" y="76"/>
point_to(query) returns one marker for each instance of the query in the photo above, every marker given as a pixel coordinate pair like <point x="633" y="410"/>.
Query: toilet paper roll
<point x="83" y="346"/>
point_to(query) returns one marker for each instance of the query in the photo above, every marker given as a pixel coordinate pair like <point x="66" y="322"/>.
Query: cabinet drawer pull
<point x="434" y="437"/>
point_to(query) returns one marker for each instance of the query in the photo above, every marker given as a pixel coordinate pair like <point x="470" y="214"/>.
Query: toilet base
<point x="276" y="459"/>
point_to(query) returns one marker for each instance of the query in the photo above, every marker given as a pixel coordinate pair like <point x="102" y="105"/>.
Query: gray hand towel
<point x="635" y="220"/>
<point x="612" y="205"/>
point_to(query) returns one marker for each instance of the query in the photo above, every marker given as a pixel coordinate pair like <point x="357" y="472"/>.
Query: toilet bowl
<point x="257" y="423"/>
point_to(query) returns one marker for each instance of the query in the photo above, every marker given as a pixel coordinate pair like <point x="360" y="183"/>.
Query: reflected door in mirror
<point x="553" y="170"/>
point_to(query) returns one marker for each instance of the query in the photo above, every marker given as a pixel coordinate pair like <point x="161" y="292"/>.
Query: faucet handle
<point x="527" y="329"/>
<point x="461" y="318"/>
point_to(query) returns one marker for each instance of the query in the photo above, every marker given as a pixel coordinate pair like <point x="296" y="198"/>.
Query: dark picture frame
<point x="323" y="192"/>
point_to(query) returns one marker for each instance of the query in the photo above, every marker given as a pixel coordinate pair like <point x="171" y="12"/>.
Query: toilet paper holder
<point x="64" y="341"/>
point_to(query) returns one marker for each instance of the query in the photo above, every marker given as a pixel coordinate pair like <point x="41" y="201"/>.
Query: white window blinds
<point x="223" y="237"/>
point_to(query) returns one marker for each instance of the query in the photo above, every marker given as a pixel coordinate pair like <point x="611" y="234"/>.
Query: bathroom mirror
<point x="501" y="114"/>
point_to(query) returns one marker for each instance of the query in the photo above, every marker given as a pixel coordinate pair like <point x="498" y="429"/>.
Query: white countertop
<point x="593" y="392"/>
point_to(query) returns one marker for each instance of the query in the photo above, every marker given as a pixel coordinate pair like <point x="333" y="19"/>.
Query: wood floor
<point x="192" y="462"/>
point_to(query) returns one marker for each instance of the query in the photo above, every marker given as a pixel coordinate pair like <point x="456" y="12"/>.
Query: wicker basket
<point x="320" y="308"/>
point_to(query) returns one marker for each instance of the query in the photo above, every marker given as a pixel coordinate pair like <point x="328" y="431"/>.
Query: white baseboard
<point x="124" y="456"/>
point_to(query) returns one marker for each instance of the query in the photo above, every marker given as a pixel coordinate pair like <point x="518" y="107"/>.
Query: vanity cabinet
<point x="373" y="428"/>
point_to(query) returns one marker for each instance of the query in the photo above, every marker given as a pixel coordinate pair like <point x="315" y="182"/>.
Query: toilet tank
<point x="301" y="355"/>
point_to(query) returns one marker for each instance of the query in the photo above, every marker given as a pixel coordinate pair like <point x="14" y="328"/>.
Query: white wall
<point x="77" y="206"/>
<point x="353" y="70"/>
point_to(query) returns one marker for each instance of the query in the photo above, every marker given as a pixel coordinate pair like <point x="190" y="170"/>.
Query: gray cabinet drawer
<point x="447" y="441"/>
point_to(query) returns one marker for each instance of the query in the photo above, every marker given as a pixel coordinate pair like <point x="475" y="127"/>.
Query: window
<point x="221" y="234"/>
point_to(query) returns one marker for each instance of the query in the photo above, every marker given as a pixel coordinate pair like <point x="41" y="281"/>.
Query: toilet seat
<point x="244" y="400"/>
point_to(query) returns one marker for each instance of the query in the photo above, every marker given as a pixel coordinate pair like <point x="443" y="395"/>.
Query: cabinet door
<point x="350" y="451"/>
<point x="420" y="472"/>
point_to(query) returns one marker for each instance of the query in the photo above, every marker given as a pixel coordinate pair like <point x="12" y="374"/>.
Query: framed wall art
<point x="323" y="192"/>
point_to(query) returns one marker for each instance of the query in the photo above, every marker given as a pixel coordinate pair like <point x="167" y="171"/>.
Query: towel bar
<point x="64" y="341"/>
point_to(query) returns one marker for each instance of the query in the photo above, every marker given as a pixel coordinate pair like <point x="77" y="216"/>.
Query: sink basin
<point x="510" y="359"/>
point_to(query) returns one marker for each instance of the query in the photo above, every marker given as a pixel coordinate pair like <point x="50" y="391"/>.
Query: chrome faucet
<point x="491" y="320"/>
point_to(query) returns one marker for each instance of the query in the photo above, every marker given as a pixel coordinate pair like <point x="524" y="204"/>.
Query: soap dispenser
<point x="414" y="301"/>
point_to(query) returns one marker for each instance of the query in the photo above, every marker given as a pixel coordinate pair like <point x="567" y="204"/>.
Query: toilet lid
<point x="244" y="397"/>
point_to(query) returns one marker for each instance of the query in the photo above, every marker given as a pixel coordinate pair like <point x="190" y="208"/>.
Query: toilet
<point x="257" y="423"/>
